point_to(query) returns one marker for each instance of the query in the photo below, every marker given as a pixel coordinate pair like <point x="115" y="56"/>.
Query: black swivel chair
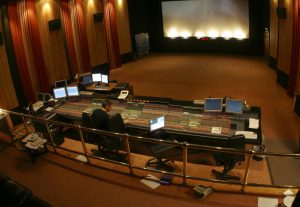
<point x="159" y="150"/>
<point x="107" y="147"/>
<point x="230" y="159"/>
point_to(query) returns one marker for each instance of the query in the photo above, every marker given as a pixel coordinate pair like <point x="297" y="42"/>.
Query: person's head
<point x="106" y="105"/>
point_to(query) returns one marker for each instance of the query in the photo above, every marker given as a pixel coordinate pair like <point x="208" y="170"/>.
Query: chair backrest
<point x="236" y="142"/>
<point x="116" y="124"/>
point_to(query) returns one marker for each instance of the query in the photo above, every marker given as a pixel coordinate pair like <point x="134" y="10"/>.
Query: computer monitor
<point x="157" y="123"/>
<point x="234" y="106"/>
<point x="213" y="104"/>
<point x="72" y="91"/>
<point x="60" y="93"/>
<point x="96" y="77"/>
<point x="104" y="78"/>
<point x="61" y="83"/>
<point x="87" y="79"/>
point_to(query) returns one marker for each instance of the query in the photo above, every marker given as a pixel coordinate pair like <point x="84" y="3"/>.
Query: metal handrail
<point x="185" y="146"/>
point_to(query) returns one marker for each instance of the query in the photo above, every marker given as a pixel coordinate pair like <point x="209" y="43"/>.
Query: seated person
<point x="101" y="116"/>
<point x="102" y="119"/>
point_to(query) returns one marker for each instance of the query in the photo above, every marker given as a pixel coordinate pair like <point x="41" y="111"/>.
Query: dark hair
<point x="106" y="103"/>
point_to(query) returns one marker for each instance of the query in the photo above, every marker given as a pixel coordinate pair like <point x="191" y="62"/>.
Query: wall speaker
<point x="281" y="12"/>
<point x="98" y="17"/>
<point x="1" y="39"/>
<point x="54" y="25"/>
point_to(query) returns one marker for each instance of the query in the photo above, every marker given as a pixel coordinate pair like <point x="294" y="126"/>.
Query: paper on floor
<point x="151" y="181"/>
<point x="81" y="158"/>
<point x="247" y="134"/>
<point x="253" y="123"/>
<point x="267" y="202"/>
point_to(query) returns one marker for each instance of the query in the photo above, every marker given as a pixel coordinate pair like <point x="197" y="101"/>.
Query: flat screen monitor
<point x="157" y="123"/>
<point x="104" y="78"/>
<point x="72" y="91"/>
<point x="213" y="104"/>
<point x="40" y="97"/>
<point x="61" y="83"/>
<point x="234" y="106"/>
<point x="96" y="77"/>
<point x="60" y="93"/>
<point x="87" y="79"/>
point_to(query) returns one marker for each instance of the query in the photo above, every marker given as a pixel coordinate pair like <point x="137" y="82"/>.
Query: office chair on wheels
<point x="230" y="159"/>
<point x="159" y="150"/>
<point x="158" y="162"/>
<point x="107" y="147"/>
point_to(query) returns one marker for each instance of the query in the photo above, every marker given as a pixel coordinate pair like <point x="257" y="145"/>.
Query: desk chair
<point x="158" y="161"/>
<point x="107" y="147"/>
<point x="230" y="159"/>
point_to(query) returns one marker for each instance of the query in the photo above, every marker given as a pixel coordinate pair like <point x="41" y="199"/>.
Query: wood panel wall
<point x="123" y="26"/>
<point x="8" y="97"/>
<point x="285" y="37"/>
<point x="52" y="42"/>
<point x="273" y="29"/>
<point x="95" y="32"/>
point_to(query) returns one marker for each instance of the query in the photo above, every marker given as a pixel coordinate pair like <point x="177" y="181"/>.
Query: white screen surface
<point x="72" y="91"/>
<point x="96" y="77"/>
<point x="59" y="93"/>
<point x="206" y="18"/>
<point x="104" y="78"/>
<point x="157" y="123"/>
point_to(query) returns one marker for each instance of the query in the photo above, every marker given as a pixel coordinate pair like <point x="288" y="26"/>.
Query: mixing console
<point x="177" y="119"/>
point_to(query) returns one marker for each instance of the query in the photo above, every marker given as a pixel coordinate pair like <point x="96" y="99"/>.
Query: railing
<point x="183" y="145"/>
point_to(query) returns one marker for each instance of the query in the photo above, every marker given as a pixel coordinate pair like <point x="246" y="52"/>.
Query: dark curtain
<point x="35" y="38"/>
<point x="111" y="32"/>
<point x="295" y="50"/>
<point x="11" y="56"/>
<point x="18" y="45"/>
<point x="66" y="16"/>
<point x="82" y="34"/>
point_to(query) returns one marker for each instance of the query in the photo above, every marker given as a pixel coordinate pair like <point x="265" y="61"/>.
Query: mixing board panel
<point x="178" y="119"/>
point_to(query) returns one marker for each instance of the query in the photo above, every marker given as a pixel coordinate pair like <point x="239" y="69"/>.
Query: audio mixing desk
<point x="181" y="122"/>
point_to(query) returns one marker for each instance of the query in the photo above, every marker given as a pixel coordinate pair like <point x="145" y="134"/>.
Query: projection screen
<point x="206" y="18"/>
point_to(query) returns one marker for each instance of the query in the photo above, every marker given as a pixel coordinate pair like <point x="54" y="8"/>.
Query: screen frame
<point x="226" y="110"/>
<point x="61" y="81"/>
<point x="100" y="77"/>
<point x="72" y="87"/>
<point x="157" y="128"/>
<point x="60" y="97"/>
<point x="219" y="110"/>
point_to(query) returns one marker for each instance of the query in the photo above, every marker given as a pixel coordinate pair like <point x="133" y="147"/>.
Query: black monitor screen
<point x="60" y="83"/>
<point x="234" y="106"/>
<point x="87" y="79"/>
<point x="213" y="104"/>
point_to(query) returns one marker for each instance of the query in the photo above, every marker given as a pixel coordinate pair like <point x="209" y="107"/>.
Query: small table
<point x="34" y="144"/>
<point x="103" y="88"/>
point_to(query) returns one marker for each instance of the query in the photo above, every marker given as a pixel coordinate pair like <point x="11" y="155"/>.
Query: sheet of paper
<point x="267" y="202"/>
<point x="253" y="123"/>
<point x="216" y="130"/>
<point x="151" y="181"/>
<point x="247" y="134"/>
<point x="49" y="109"/>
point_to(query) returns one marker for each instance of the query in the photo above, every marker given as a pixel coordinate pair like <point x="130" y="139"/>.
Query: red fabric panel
<point x="111" y="32"/>
<point x="295" y="50"/>
<point x="35" y="38"/>
<point x="83" y="40"/>
<point x="16" y="34"/>
<point x="66" y="16"/>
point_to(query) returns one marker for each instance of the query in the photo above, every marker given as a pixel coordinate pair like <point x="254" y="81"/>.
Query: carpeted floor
<point x="67" y="183"/>
<point x="248" y="78"/>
